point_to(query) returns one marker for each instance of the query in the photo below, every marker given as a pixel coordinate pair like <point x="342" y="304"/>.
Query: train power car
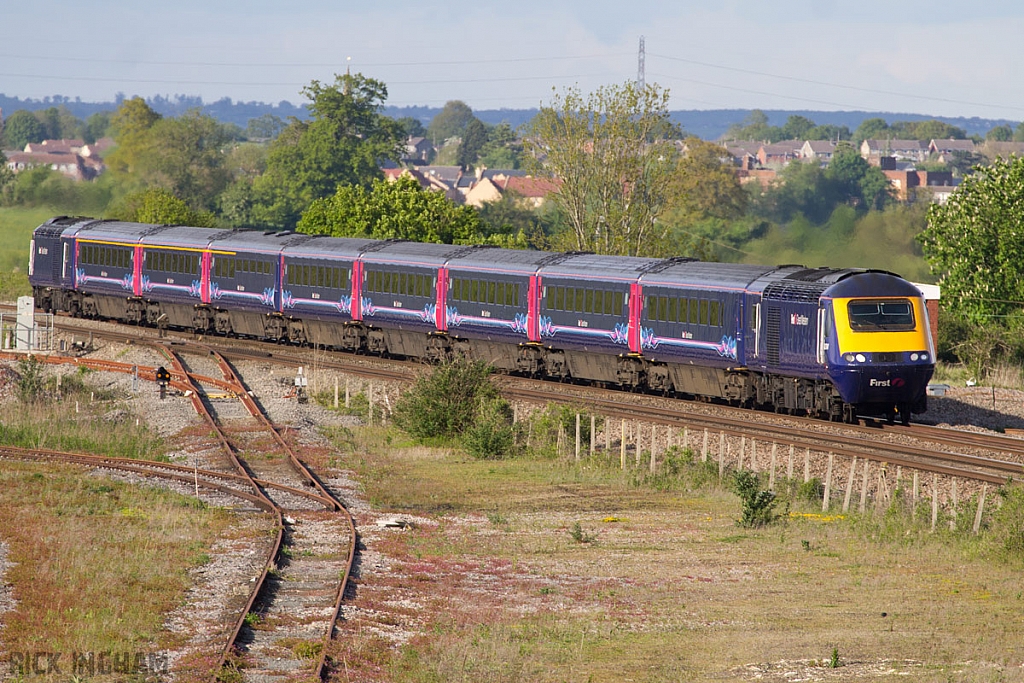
<point x="835" y="343"/>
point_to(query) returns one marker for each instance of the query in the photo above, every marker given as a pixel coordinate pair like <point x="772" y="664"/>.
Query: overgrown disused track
<point x="300" y="589"/>
<point x="296" y="599"/>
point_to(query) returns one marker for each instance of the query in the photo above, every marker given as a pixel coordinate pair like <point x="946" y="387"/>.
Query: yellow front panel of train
<point x="864" y="341"/>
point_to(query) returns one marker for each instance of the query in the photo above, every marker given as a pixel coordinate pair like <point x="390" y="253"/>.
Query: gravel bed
<point x="219" y="589"/>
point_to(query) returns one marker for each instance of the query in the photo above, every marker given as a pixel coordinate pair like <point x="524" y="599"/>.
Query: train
<point x="825" y="342"/>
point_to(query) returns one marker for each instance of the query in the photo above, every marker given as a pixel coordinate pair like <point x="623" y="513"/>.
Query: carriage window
<point x="703" y="311"/>
<point x="714" y="314"/>
<point x="694" y="311"/>
<point x="890" y="315"/>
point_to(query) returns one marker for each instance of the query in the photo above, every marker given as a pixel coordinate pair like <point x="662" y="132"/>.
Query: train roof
<point x="510" y="261"/>
<point x="320" y="246"/>
<point x="598" y="267"/>
<point x="179" y="236"/>
<point x="689" y="273"/>
<point x="871" y="283"/>
<point x="412" y="253"/>
<point x="110" y="231"/>
<point x="254" y="241"/>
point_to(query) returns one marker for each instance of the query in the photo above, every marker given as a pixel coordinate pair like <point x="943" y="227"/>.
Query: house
<point x="779" y="154"/>
<point x="743" y="153"/>
<point x="822" y="150"/>
<point x="946" y="148"/>
<point x="906" y="181"/>
<point x="764" y="176"/>
<point x="393" y="174"/>
<point x="418" y="150"/>
<point x="56" y="146"/>
<point x="905" y="150"/>
<point x="531" y="191"/>
<point x="71" y="165"/>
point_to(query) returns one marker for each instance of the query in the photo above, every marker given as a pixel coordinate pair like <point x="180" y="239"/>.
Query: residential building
<point x="904" y="150"/>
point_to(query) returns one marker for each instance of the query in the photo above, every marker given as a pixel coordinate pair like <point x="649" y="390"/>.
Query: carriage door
<point x="822" y="332"/>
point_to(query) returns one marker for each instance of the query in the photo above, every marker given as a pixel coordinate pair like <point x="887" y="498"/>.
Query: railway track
<point x="298" y="594"/>
<point x="871" y="441"/>
<point x="298" y="597"/>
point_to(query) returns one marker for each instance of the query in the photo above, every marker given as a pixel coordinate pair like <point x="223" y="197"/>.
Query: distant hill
<point x="709" y="124"/>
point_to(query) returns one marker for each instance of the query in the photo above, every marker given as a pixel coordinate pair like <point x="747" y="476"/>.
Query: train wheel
<point x="904" y="411"/>
<point x="890" y="416"/>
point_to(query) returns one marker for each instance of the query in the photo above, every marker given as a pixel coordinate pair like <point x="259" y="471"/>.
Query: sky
<point x="937" y="58"/>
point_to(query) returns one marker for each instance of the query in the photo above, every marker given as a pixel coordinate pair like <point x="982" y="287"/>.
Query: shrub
<point x="32" y="382"/>
<point x="1006" y="525"/>
<point x="758" y="503"/>
<point x="444" y="403"/>
<point x="491" y="435"/>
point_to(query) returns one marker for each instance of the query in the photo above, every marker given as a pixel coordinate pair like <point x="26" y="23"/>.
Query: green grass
<point x="667" y="589"/>
<point x="16" y="226"/>
<point x="96" y="563"/>
<point x="83" y="420"/>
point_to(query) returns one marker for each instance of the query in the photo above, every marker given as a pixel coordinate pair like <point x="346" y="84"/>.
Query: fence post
<point x="828" y="484"/>
<point x="753" y="455"/>
<point x="704" y="452"/>
<point x="981" y="508"/>
<point x="771" y="475"/>
<point x="743" y="447"/>
<point x="935" y="500"/>
<point x="849" y="485"/>
<point x="622" y="444"/>
<point x="789" y="464"/>
<point x="721" y="454"/>
<point x="607" y="434"/>
<point x="953" y="496"/>
<point x="577" y="437"/>
<point x="593" y="433"/>
<point x="638" y="438"/>
<point x="807" y="465"/>
<point x="864" y="486"/>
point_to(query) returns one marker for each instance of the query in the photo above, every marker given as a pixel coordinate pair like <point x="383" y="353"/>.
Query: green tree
<point x="344" y="143"/>
<point x="264" y="127"/>
<point x="703" y="185"/>
<point x="754" y="127"/>
<point x="871" y="129"/>
<point x="6" y="174"/>
<point x="392" y="210"/>
<point x="1003" y="133"/>
<point x="975" y="243"/>
<point x="412" y="127"/>
<point x="157" y="205"/>
<point x="96" y="126"/>
<point x="473" y="140"/>
<point x="502" y="149"/>
<point x="797" y="128"/>
<point x="450" y="122"/>
<point x="932" y="129"/>
<point x="828" y="131"/>
<point x="185" y="155"/>
<point x="130" y="125"/>
<point x="856" y="181"/>
<point x="59" y="123"/>
<point x="21" y="128"/>
<point x="613" y="181"/>
<point x="1018" y="133"/>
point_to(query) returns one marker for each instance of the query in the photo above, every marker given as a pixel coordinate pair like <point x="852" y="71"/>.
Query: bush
<point x="758" y="503"/>
<point x="492" y="434"/>
<point x="457" y="400"/>
<point x="1006" y="525"/>
<point x="32" y="382"/>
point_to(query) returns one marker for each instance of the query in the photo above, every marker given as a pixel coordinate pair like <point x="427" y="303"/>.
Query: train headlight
<point x="848" y="358"/>
<point x="861" y="358"/>
<point x="924" y="356"/>
<point x="914" y="356"/>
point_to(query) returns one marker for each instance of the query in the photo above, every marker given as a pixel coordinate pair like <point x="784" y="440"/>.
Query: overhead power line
<point x="796" y="79"/>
